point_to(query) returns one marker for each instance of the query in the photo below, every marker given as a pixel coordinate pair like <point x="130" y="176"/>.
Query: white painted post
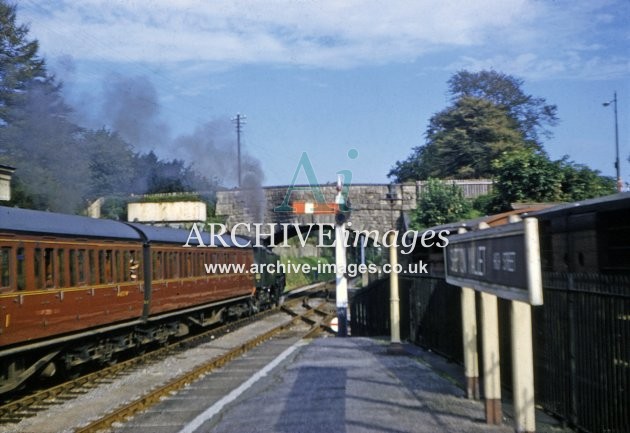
<point x="341" y="280"/>
<point x="491" y="355"/>
<point x="469" y="333"/>
<point x="523" y="368"/>
<point x="491" y="358"/>
<point x="395" y="346"/>
<point x="521" y="331"/>
<point x="341" y="292"/>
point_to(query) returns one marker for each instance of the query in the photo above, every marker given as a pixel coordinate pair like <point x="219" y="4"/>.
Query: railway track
<point x="316" y="317"/>
<point x="14" y="411"/>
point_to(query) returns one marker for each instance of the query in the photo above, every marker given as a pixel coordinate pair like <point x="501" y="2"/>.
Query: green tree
<point x="490" y="113"/>
<point x="580" y="182"/>
<point x="44" y="146"/>
<point x="530" y="176"/>
<point x="533" y="116"/>
<point x="525" y="176"/>
<point x="36" y="135"/>
<point x="440" y="203"/>
<point x="110" y="163"/>
<point x="19" y="62"/>
<point x="462" y="142"/>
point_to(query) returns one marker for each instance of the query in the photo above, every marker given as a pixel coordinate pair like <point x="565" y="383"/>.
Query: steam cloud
<point x="131" y="107"/>
<point x="212" y="150"/>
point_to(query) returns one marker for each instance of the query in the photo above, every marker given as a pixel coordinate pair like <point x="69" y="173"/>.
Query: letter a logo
<point x="305" y="163"/>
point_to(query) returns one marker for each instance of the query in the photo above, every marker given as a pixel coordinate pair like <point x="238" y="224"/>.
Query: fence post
<point x="572" y="348"/>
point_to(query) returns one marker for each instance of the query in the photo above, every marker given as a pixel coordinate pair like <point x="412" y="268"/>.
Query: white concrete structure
<point x="167" y="213"/>
<point x="5" y="182"/>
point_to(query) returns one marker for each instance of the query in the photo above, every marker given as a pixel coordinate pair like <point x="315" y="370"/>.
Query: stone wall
<point x="374" y="206"/>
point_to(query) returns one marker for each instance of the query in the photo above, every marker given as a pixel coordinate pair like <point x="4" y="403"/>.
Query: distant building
<point x="6" y="173"/>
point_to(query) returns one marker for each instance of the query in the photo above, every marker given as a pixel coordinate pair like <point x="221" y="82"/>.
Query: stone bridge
<point x="374" y="206"/>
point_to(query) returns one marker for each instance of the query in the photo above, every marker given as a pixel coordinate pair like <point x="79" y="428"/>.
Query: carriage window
<point x="61" y="267"/>
<point x="157" y="265"/>
<point x="166" y="274"/>
<point x="37" y="263"/>
<point x="174" y="268"/>
<point x="101" y="267"/>
<point x="117" y="266"/>
<point x="73" y="267"/>
<point x="195" y="264"/>
<point x="105" y="266"/>
<point x="167" y="271"/>
<point x="189" y="264"/>
<point x="21" y="278"/>
<point x="49" y="270"/>
<point x="92" y="266"/>
<point x="5" y="267"/>
<point x="132" y="266"/>
<point x="81" y="266"/>
<point x="109" y="269"/>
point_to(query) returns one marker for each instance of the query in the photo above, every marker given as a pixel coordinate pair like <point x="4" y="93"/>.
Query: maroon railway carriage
<point x="75" y="290"/>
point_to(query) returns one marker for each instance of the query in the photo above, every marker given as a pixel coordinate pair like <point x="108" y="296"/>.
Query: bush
<point x="440" y="203"/>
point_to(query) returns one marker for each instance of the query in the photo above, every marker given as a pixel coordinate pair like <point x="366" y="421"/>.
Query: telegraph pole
<point x="239" y="121"/>
<point x="617" y="165"/>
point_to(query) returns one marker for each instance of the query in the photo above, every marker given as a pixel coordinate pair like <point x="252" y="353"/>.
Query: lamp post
<point x="617" y="166"/>
<point x="395" y="346"/>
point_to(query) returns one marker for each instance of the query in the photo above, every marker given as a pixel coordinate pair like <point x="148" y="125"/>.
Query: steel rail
<point x="154" y="396"/>
<point x="14" y="411"/>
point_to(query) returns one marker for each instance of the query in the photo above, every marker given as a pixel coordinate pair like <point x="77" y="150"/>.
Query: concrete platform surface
<point x="349" y="385"/>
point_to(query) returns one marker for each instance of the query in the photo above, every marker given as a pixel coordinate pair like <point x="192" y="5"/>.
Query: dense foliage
<point x="440" y="203"/>
<point x="529" y="176"/>
<point x="61" y="166"/>
<point x="493" y="129"/>
<point x="532" y="115"/>
<point x="463" y="140"/>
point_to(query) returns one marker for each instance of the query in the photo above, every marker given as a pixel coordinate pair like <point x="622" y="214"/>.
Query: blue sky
<point x="327" y="76"/>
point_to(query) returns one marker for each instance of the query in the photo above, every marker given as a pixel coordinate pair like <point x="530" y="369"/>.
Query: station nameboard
<point x="503" y="260"/>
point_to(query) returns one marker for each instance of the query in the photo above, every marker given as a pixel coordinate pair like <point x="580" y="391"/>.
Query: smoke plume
<point x="212" y="150"/>
<point x="132" y="109"/>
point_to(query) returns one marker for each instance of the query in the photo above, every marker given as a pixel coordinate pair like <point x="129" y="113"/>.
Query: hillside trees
<point x="493" y="129"/>
<point x="463" y="140"/>
<point x="532" y="115"/>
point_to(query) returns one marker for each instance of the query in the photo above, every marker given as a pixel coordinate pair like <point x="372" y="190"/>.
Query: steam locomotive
<point x="76" y="290"/>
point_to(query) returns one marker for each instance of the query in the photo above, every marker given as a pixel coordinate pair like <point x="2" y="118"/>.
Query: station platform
<point x="345" y="385"/>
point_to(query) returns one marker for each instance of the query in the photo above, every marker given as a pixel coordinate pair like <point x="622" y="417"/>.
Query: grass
<point x="298" y="279"/>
